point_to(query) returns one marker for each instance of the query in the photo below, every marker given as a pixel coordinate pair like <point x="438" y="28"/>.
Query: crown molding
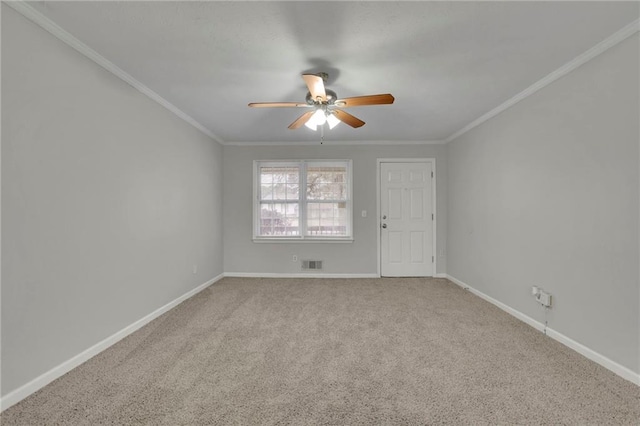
<point x="340" y="143"/>
<point x="624" y="33"/>
<point x="47" y="24"/>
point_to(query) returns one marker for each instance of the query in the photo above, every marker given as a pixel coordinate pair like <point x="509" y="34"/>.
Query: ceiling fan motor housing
<point x="331" y="97"/>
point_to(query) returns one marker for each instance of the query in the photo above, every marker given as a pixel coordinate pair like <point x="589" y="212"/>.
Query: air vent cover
<point x="312" y="264"/>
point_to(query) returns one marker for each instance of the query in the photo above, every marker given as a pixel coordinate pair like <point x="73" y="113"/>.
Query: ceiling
<point x="446" y="63"/>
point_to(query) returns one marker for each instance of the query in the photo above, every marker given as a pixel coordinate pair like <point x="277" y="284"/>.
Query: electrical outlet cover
<point x="544" y="299"/>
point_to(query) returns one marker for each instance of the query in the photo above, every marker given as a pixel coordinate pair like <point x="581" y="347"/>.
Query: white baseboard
<point x="44" y="379"/>
<point x="522" y="317"/>
<point x="298" y="275"/>
<point x="596" y="357"/>
<point x="589" y="353"/>
<point x="303" y="275"/>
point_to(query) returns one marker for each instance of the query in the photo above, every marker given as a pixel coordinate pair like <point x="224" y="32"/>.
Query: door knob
<point x="384" y="225"/>
<point x="384" y="217"/>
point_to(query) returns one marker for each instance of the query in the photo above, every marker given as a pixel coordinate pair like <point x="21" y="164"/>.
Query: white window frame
<point x="302" y="200"/>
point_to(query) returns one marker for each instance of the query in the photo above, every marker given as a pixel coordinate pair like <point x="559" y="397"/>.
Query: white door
<point x="406" y="219"/>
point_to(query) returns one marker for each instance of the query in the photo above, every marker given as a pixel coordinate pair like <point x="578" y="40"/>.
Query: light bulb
<point x="332" y="120"/>
<point x="319" y="117"/>
<point x="312" y="122"/>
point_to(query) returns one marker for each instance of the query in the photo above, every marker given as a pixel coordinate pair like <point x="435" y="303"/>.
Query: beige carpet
<point x="333" y="351"/>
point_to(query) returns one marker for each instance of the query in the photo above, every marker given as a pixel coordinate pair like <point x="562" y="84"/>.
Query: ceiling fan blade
<point x="382" y="99"/>
<point x="277" y="104"/>
<point x="347" y="118"/>
<point x="316" y="86"/>
<point x="301" y="120"/>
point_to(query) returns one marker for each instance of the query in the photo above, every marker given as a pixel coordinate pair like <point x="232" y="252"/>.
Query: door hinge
<point x="431" y="216"/>
<point x="431" y="174"/>
<point x="432" y="259"/>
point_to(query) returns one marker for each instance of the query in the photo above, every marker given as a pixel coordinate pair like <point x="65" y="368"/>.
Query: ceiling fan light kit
<point x="318" y="118"/>
<point x="332" y="121"/>
<point x="325" y="105"/>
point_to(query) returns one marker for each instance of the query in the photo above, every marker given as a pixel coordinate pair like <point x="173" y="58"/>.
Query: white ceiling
<point x="446" y="63"/>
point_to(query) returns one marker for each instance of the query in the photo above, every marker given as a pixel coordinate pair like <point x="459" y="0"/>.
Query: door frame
<point x="379" y="162"/>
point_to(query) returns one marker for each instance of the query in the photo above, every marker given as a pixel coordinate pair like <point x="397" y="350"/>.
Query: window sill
<point x="303" y="240"/>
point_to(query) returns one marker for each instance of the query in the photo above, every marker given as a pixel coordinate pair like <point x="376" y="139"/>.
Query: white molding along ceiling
<point x="599" y="48"/>
<point x="28" y="11"/>
<point x="422" y="55"/>
<point x="330" y="142"/>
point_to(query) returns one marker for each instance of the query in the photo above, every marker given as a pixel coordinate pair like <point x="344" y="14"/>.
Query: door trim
<point x="379" y="162"/>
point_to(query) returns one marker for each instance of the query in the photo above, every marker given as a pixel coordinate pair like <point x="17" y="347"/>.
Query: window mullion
<point x="303" y="199"/>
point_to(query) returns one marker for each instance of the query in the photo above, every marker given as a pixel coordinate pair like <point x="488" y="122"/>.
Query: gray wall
<point x="108" y="200"/>
<point x="359" y="257"/>
<point x="546" y="193"/>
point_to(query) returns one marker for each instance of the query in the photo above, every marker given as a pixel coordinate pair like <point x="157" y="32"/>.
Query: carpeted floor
<point x="338" y="352"/>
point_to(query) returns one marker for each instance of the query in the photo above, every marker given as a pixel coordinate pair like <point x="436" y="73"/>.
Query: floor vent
<point x="312" y="264"/>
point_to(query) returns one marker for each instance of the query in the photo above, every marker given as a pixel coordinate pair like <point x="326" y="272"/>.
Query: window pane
<point x="279" y="219"/>
<point x="282" y="189"/>
<point x="327" y="219"/>
<point x="326" y="183"/>
<point x="279" y="183"/>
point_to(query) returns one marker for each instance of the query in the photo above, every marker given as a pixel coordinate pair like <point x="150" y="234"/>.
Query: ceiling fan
<point x="324" y="105"/>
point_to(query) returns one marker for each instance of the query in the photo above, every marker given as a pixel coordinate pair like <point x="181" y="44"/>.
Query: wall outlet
<point x="364" y="213"/>
<point x="541" y="296"/>
<point x="294" y="258"/>
<point x="195" y="269"/>
<point x="544" y="298"/>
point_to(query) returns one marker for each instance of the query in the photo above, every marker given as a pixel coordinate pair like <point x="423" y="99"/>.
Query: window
<point x="302" y="200"/>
